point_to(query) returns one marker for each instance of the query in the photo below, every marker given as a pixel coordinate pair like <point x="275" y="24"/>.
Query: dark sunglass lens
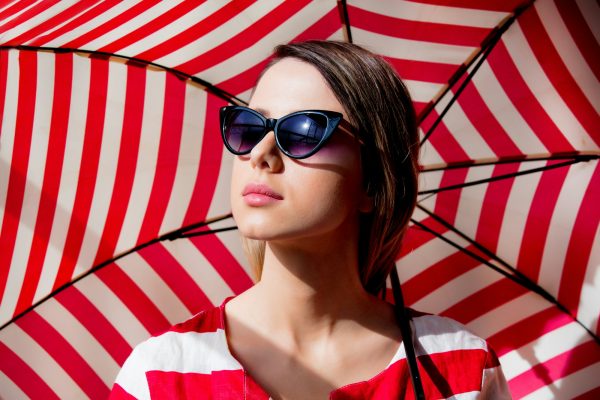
<point x="243" y="130"/>
<point x="300" y="134"/>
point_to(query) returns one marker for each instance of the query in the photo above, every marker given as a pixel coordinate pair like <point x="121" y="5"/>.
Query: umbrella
<point x="108" y="149"/>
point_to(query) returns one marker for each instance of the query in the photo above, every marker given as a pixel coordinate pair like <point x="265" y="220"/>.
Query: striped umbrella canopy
<point x="109" y="150"/>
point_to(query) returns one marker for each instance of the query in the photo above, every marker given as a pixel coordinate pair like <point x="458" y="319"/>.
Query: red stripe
<point x="64" y="354"/>
<point x="84" y="18"/>
<point x="244" y="39"/>
<point x="135" y="94"/>
<point x="15" y="8"/>
<point x="134" y="298"/>
<point x="176" y="277"/>
<point x="437" y="275"/>
<point x="486" y="123"/>
<point x="63" y="75"/>
<point x="580" y="32"/>
<point x="529" y="329"/>
<point x="538" y="221"/>
<point x="168" y="157"/>
<point x="118" y="393"/>
<point x="223" y="262"/>
<point x="417" y="237"/>
<point x="30" y="13"/>
<point x="525" y="101"/>
<point x="593" y="394"/>
<point x="23" y="375"/>
<point x="88" y="170"/>
<point x="196" y="31"/>
<point x="210" y="163"/>
<point x="322" y="29"/>
<point x="556" y="368"/>
<point x="484" y="301"/>
<point x="416" y="30"/>
<point x="50" y="23"/>
<point x="580" y="246"/>
<point x="558" y="73"/>
<point x="209" y="320"/>
<point x="423" y="70"/>
<point x="494" y="207"/>
<point x="95" y="322"/>
<point x="120" y="19"/>
<point x="17" y="179"/>
<point x="489" y="5"/>
<point x="152" y="26"/>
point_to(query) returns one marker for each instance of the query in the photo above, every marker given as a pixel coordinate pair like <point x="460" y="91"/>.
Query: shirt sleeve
<point x="131" y="382"/>
<point x="494" y="385"/>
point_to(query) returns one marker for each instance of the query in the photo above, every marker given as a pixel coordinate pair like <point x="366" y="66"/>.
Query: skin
<point x="297" y="331"/>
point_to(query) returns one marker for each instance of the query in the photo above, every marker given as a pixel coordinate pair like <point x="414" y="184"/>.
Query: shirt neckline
<point x="398" y="355"/>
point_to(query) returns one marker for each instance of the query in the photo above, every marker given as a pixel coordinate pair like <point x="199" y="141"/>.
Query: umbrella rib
<point x="505" y="176"/>
<point x="169" y="236"/>
<point x="514" y="275"/>
<point x="487" y="46"/>
<point x="208" y="86"/>
<point x="343" y="8"/>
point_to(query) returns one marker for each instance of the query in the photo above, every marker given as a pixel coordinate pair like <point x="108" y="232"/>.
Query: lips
<point x="256" y="194"/>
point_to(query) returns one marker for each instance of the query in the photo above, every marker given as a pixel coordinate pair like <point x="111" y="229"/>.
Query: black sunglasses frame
<point x="334" y="119"/>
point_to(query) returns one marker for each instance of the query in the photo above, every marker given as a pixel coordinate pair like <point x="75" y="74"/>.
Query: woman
<point x="323" y="185"/>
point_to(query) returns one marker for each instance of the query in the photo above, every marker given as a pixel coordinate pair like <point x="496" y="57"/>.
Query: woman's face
<point x="277" y="198"/>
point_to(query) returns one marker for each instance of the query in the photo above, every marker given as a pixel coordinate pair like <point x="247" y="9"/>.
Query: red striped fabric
<point x="124" y="153"/>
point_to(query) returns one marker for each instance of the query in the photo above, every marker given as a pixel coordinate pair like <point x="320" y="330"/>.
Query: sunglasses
<point x="298" y="135"/>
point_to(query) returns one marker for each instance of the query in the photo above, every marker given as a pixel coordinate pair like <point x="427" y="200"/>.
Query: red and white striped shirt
<point x="192" y="360"/>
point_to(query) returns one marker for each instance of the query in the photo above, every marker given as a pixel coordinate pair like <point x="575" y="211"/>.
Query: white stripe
<point x="459" y="124"/>
<point x="188" y="161"/>
<point x="201" y="271"/>
<point x="15" y="15"/>
<point x="221" y="204"/>
<point x="34" y="181"/>
<point x="415" y="50"/>
<point x="422" y="92"/>
<point x="428" y="155"/>
<point x="429" y="180"/>
<point x="233" y="243"/>
<point x="10" y="390"/>
<point x="518" y="206"/>
<point x="431" y="13"/>
<point x="543" y="349"/>
<point x="113" y="309"/>
<point x="221" y="34"/>
<point x="154" y="287"/>
<point x="145" y="168"/>
<point x="8" y="4"/>
<point x="107" y="166"/>
<point x="468" y="213"/>
<point x="81" y="339"/>
<point x="285" y="32"/>
<point x="8" y="125"/>
<point x="561" y="225"/>
<point x="204" y="353"/>
<point x="174" y="28"/>
<point x="589" y="306"/>
<point x="90" y="25"/>
<point x="131" y="25"/>
<point x="457" y="289"/>
<point x="69" y="175"/>
<point x="36" y="20"/>
<point x="569" y="52"/>
<point x="41" y="362"/>
<point x="508" y="314"/>
<point x="590" y="11"/>
<point x="543" y="89"/>
<point x="570" y="386"/>
<point x="504" y="111"/>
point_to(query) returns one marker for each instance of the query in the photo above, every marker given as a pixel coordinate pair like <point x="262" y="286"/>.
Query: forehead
<point x="293" y="85"/>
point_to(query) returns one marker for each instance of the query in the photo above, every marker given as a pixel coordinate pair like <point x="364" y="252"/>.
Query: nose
<point x="266" y="154"/>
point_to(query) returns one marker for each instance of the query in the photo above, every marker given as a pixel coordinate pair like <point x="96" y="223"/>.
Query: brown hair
<point x="379" y="107"/>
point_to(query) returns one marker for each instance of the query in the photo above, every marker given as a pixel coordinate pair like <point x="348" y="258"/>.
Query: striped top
<point x="193" y="358"/>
